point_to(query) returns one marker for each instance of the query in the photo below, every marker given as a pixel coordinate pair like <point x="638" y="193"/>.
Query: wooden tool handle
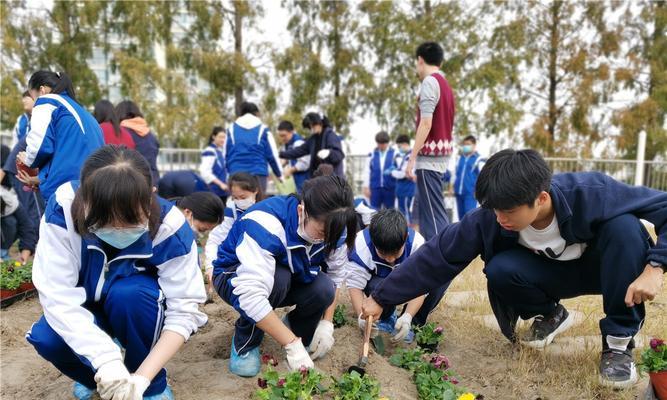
<point x="367" y="336"/>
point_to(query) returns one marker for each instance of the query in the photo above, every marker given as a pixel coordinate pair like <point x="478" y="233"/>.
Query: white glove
<point x="133" y="389"/>
<point x="362" y="326"/>
<point x="323" y="339"/>
<point x="402" y="326"/>
<point x="110" y="378"/>
<point x="139" y="384"/>
<point x="323" y="154"/>
<point x="297" y="356"/>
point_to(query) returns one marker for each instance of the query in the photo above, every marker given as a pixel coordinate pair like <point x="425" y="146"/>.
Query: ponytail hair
<point x="59" y="82"/>
<point x="329" y="199"/>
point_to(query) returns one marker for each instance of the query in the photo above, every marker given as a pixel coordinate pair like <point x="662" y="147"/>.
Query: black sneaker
<point x="545" y="328"/>
<point x="617" y="368"/>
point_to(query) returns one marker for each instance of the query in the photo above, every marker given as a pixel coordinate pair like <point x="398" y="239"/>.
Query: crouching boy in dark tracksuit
<point x="378" y="250"/>
<point x="545" y="238"/>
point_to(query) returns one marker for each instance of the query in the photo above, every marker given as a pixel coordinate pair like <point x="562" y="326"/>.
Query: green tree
<point x="646" y="76"/>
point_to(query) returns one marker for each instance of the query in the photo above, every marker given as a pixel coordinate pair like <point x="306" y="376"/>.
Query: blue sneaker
<point x="387" y="325"/>
<point x="166" y="395"/>
<point x="247" y="364"/>
<point x="410" y="338"/>
<point x="81" y="392"/>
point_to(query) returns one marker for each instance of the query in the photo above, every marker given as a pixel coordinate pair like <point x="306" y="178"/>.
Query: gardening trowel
<point x="365" y="347"/>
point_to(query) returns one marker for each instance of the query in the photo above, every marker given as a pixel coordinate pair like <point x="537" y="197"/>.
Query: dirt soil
<point x="485" y="362"/>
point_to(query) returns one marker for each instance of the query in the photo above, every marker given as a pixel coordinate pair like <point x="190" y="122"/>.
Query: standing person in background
<point x="23" y="121"/>
<point x="250" y="146"/>
<point x="146" y="142"/>
<point x="467" y="171"/>
<point x="405" y="187"/>
<point x="298" y="168"/>
<point x="62" y="133"/>
<point x="113" y="133"/>
<point x="212" y="166"/>
<point x="433" y="141"/>
<point x="323" y="145"/>
<point x="379" y="184"/>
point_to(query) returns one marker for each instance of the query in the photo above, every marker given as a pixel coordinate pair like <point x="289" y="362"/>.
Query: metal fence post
<point x="641" y="152"/>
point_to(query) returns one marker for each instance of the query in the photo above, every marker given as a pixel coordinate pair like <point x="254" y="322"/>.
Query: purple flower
<point x="281" y="382"/>
<point x="445" y="378"/>
<point x="261" y="383"/>
<point x="438" y="330"/>
<point x="454" y="381"/>
<point x="655" y="343"/>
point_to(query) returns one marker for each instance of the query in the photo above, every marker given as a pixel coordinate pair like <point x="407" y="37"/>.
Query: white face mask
<point x="301" y="231"/>
<point x="244" y="204"/>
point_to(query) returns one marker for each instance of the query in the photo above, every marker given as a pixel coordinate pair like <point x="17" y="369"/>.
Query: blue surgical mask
<point x="120" y="238"/>
<point x="467" y="149"/>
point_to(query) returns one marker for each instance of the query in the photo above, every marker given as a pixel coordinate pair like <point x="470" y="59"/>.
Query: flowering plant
<point x="297" y="385"/>
<point x="654" y="358"/>
<point x="429" y="335"/>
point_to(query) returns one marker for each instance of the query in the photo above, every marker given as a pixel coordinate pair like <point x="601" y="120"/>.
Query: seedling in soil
<point x="339" y="317"/>
<point x="353" y="386"/>
<point x="303" y="384"/>
<point x="429" y="336"/>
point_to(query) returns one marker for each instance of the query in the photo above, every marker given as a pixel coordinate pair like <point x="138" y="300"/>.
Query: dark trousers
<point x="133" y="313"/>
<point x="8" y="231"/>
<point x="532" y="285"/>
<point x="311" y="300"/>
<point x="465" y="203"/>
<point x="382" y="197"/>
<point x="263" y="182"/>
<point x="430" y="302"/>
<point x="432" y="214"/>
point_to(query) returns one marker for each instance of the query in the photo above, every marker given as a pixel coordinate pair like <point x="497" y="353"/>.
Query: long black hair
<point x="115" y="186"/>
<point x="329" y="199"/>
<point x="205" y="206"/>
<point x="104" y="112"/>
<point x="214" y="133"/>
<point x="127" y="109"/>
<point x="59" y="82"/>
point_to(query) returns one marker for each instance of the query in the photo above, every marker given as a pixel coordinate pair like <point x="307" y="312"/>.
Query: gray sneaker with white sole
<point x="617" y="369"/>
<point x="545" y="328"/>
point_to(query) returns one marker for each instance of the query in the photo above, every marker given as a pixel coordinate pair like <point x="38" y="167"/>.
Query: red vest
<point x="439" y="139"/>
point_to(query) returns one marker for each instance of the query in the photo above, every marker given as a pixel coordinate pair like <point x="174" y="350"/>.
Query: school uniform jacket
<point x="264" y="239"/>
<point x="405" y="187"/>
<point x="250" y="147"/>
<point x="220" y="232"/>
<point x="364" y="261"/>
<point x="212" y="166"/>
<point x="72" y="273"/>
<point x="62" y="135"/>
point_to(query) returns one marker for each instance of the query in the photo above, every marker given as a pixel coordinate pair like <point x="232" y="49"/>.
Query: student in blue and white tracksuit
<point x="405" y="187"/>
<point x="379" y="184"/>
<point x="62" y="133"/>
<point x="23" y="121"/>
<point x="299" y="167"/>
<point x="212" y="167"/>
<point x="125" y="270"/>
<point x="245" y="192"/>
<point x="378" y="250"/>
<point x="280" y="254"/>
<point x="467" y="171"/>
<point x="250" y="146"/>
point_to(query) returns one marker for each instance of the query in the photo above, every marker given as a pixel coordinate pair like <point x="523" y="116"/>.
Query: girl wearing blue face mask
<point x="287" y="251"/>
<point x="115" y="266"/>
<point x="245" y="191"/>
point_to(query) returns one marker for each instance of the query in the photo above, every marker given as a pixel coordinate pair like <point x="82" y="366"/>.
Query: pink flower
<point x="281" y="382"/>
<point x="655" y="343"/>
<point x="454" y="381"/>
<point x="261" y="383"/>
<point x="304" y="371"/>
<point x="438" y="330"/>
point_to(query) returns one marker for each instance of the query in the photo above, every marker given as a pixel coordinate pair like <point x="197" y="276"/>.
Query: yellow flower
<point x="467" y="396"/>
<point x="17" y="264"/>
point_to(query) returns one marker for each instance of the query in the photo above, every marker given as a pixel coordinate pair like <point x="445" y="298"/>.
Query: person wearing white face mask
<point x="245" y="191"/>
<point x="285" y="251"/>
<point x="115" y="264"/>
